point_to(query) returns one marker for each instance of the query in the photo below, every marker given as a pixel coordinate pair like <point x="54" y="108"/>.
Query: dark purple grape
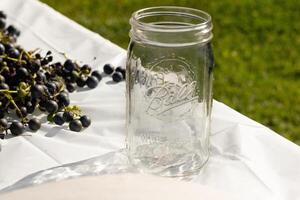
<point x="119" y="69"/>
<point x="2" y="49"/>
<point x="51" y="86"/>
<point x="92" y="82"/>
<point x="58" y="118"/>
<point x="97" y="74"/>
<point x="81" y="81"/>
<point x="14" y="53"/>
<point x="123" y="71"/>
<point x="22" y="73"/>
<point x="3" y="124"/>
<point x="68" y="116"/>
<point x="30" y="107"/>
<point x="40" y="77"/>
<point x="63" y="99"/>
<point x="75" y="125"/>
<point x="8" y="47"/>
<point x="85" y="121"/>
<point x="4" y="86"/>
<point x="16" y="128"/>
<point x="108" y="69"/>
<point x="86" y="69"/>
<point x="2" y="79"/>
<point x="117" y="77"/>
<point x="51" y="106"/>
<point x="35" y="65"/>
<point x="34" y="124"/>
<point x="44" y="62"/>
<point x="50" y="59"/>
<point x="38" y="56"/>
<point x="12" y="30"/>
<point x="2" y="24"/>
<point x="37" y="91"/>
<point x="2" y="15"/>
<point x="69" y="65"/>
<point x="71" y="87"/>
<point x="22" y="112"/>
<point x="42" y="105"/>
<point x="2" y="114"/>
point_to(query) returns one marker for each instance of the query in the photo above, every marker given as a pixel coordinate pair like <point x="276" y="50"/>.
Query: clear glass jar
<point x="169" y="90"/>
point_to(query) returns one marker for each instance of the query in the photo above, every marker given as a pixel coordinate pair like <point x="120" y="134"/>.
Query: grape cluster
<point x="31" y="81"/>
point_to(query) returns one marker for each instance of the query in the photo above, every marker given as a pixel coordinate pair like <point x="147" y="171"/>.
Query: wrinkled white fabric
<point x="247" y="159"/>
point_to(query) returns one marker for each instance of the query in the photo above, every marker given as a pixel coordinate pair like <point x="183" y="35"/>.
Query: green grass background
<point x="256" y="47"/>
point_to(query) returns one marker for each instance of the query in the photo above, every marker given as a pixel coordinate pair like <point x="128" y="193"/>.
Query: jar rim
<point x="203" y="17"/>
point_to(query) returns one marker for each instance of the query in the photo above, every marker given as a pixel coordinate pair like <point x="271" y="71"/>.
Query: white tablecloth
<point x="247" y="159"/>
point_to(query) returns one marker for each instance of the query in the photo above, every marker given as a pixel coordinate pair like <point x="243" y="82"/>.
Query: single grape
<point x="3" y="123"/>
<point x="42" y="105"/>
<point x="2" y="48"/>
<point x="74" y="75"/>
<point x="22" y="72"/>
<point x="22" y="112"/>
<point x="75" y="125"/>
<point x="51" y="106"/>
<point x="2" y="24"/>
<point x="63" y="99"/>
<point x="35" y="65"/>
<point x="38" y="56"/>
<point x="92" y="82"/>
<point x="4" y="86"/>
<point x="123" y="71"/>
<point x="69" y="65"/>
<point x="58" y="118"/>
<point x="71" y="87"/>
<point x="2" y="114"/>
<point x="16" y="128"/>
<point x="2" y="79"/>
<point x="37" y="91"/>
<point x="119" y="69"/>
<point x="85" y="121"/>
<point x="108" y="69"/>
<point x="30" y="107"/>
<point x="97" y="74"/>
<point x="68" y="116"/>
<point x="50" y="59"/>
<point x="117" y="77"/>
<point x="34" y="124"/>
<point x="8" y="46"/>
<point x="81" y="81"/>
<point x="86" y="69"/>
<point x="44" y="62"/>
<point x="14" y="53"/>
<point x="51" y="86"/>
<point x="41" y="77"/>
<point x="12" y="30"/>
<point x="2" y="15"/>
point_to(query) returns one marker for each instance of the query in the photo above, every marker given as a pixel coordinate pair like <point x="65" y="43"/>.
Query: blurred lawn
<point x="256" y="44"/>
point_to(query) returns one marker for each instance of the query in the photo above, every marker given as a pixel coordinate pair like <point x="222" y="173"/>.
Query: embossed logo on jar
<point x="173" y="96"/>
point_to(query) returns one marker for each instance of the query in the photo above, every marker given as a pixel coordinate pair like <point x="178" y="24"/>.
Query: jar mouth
<point x="171" y="19"/>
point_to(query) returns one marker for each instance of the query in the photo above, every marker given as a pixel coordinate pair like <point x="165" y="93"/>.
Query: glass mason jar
<point x="169" y="90"/>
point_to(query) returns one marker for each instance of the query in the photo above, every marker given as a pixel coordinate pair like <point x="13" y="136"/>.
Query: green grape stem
<point x="13" y="59"/>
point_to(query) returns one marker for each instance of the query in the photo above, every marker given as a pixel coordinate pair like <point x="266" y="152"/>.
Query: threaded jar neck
<point x="170" y="25"/>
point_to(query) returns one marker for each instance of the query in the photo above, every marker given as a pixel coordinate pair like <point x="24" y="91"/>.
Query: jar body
<point x="168" y="106"/>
